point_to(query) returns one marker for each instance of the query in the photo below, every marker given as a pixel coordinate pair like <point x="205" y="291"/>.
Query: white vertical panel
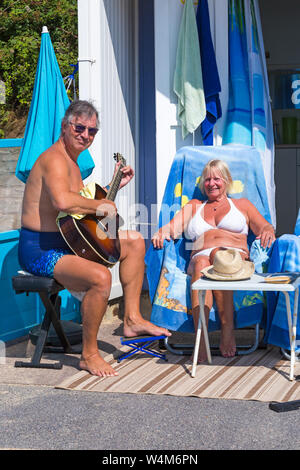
<point x="164" y="17"/>
<point x="107" y="33"/>
<point x="218" y="10"/>
<point x="167" y="19"/>
<point x="89" y="62"/>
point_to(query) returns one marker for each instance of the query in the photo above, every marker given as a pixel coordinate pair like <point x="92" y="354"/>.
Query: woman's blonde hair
<point x="222" y="168"/>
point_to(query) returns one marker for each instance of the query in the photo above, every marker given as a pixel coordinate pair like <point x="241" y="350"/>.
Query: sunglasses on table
<point x="80" y="128"/>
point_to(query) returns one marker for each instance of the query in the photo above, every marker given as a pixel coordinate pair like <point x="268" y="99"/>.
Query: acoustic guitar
<point x="96" y="237"/>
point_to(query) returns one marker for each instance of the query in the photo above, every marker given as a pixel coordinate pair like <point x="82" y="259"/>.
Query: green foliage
<point x="20" y="37"/>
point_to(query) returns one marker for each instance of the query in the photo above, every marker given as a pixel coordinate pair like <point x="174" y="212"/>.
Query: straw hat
<point x="229" y="266"/>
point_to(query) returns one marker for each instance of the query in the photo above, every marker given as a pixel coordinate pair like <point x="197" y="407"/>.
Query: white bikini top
<point x="234" y="221"/>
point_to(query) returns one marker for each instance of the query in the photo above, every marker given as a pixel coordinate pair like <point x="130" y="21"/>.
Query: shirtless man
<point x="53" y="185"/>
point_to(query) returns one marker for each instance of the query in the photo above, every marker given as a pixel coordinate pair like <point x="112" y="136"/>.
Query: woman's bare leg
<point x="194" y="270"/>
<point x="224" y="301"/>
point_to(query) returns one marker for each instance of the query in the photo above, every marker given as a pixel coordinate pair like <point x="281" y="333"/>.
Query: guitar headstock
<point x="119" y="158"/>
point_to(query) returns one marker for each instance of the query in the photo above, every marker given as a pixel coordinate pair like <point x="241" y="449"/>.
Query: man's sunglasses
<point x="80" y="128"/>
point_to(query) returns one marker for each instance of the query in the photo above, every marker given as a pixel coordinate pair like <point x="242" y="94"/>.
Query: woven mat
<point x="262" y="376"/>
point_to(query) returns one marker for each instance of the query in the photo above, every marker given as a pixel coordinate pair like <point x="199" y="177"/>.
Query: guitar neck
<point x="112" y="192"/>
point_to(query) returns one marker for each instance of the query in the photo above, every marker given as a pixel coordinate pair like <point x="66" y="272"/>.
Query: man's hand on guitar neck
<point x="128" y="174"/>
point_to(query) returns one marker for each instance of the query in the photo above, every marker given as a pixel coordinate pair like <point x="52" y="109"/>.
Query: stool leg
<point x="41" y="341"/>
<point x="40" y="345"/>
<point x="52" y="306"/>
<point x="52" y="315"/>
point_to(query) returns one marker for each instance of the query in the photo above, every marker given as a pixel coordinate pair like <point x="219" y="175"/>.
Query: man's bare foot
<point x="95" y="365"/>
<point x="227" y="342"/>
<point x="140" y="326"/>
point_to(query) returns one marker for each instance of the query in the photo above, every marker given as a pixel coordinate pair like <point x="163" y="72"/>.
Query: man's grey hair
<point x="80" y="108"/>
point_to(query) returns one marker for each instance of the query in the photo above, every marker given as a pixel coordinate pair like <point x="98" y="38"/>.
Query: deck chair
<point x="169" y="284"/>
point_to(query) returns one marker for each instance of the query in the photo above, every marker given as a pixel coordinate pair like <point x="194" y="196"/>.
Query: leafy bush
<point x="20" y="37"/>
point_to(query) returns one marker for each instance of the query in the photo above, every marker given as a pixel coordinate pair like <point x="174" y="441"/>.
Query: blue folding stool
<point x="142" y="344"/>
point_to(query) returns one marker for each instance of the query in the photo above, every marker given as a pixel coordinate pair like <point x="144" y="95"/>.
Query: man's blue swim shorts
<point x="40" y="251"/>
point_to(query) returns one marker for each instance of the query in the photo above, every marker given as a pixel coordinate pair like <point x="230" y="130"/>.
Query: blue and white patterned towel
<point x="285" y="257"/>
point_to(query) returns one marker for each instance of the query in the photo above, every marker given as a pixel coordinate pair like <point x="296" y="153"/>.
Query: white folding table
<point x="255" y="283"/>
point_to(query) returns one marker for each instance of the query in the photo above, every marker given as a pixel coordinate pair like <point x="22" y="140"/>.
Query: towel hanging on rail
<point x="210" y="75"/>
<point x="188" y="82"/>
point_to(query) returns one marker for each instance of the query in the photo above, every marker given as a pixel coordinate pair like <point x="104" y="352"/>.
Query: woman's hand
<point x="257" y="223"/>
<point x="267" y="236"/>
<point x="162" y="234"/>
<point x="176" y="226"/>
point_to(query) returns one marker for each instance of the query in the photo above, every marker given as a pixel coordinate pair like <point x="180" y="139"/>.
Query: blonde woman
<point x="211" y="225"/>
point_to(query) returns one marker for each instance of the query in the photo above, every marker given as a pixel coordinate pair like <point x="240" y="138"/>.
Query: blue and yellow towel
<point x="169" y="285"/>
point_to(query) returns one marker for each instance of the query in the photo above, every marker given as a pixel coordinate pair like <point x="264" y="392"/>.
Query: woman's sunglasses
<point x="80" y="128"/>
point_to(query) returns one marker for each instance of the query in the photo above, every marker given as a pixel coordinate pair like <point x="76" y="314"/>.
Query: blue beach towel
<point x="239" y="118"/>
<point x="297" y="226"/>
<point x="284" y="257"/>
<point x="249" y="115"/>
<point x="210" y="75"/>
<point x="169" y="285"/>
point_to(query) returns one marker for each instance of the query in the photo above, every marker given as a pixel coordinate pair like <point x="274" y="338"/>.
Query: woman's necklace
<point x="219" y="203"/>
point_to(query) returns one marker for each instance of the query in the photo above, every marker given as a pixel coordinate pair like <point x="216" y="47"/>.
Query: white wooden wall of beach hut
<point x="107" y="76"/>
<point x="168" y="14"/>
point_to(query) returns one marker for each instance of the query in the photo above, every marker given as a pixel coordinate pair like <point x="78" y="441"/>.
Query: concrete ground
<point x="35" y="415"/>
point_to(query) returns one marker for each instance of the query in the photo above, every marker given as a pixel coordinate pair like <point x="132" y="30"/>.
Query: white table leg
<point x="201" y="323"/>
<point x="295" y="316"/>
<point x="292" y="328"/>
<point x="206" y="339"/>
